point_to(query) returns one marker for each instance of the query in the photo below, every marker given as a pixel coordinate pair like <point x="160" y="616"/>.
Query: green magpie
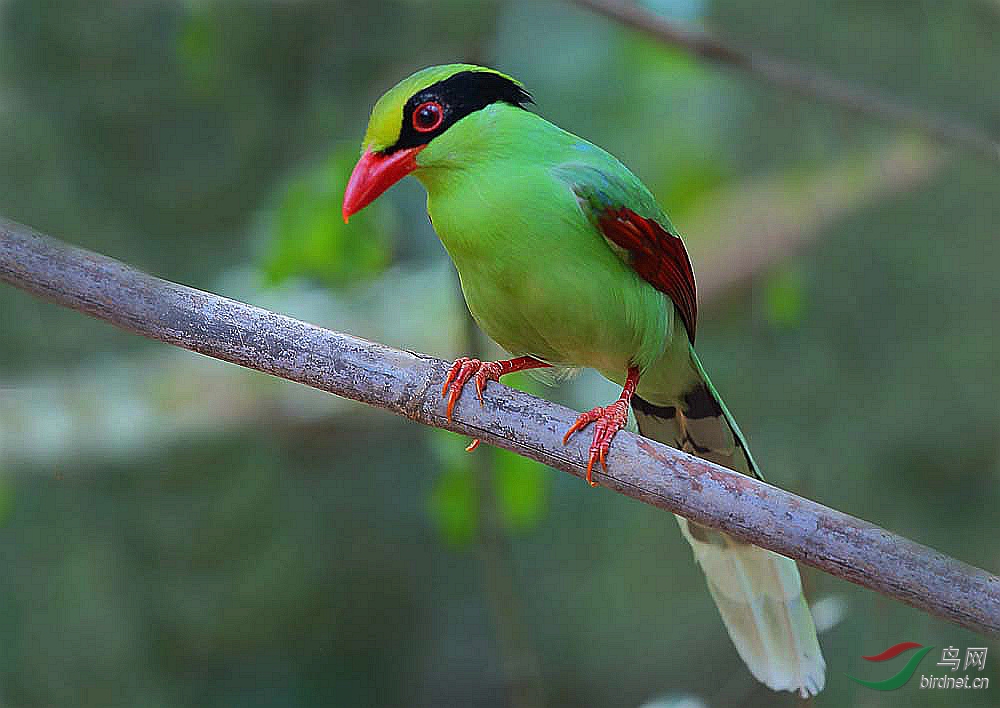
<point x="566" y="260"/>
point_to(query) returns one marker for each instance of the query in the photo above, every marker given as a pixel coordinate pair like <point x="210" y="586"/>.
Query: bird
<point x="566" y="260"/>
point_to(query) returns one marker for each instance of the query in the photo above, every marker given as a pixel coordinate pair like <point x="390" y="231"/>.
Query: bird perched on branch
<point x="566" y="259"/>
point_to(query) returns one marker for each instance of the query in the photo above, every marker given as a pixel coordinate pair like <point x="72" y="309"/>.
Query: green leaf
<point x="521" y="490"/>
<point x="453" y="506"/>
<point x="308" y="237"/>
<point x="520" y="487"/>
<point x="785" y="298"/>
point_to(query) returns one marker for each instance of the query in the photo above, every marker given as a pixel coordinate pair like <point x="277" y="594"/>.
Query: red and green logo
<point x="904" y="675"/>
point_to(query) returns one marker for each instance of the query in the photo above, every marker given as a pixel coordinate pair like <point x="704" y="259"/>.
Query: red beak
<point x="374" y="174"/>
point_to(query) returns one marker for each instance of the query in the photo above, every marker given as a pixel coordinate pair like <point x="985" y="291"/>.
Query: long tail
<point x="758" y="593"/>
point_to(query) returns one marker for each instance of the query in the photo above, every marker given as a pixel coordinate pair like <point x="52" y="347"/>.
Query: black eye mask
<point x="458" y="96"/>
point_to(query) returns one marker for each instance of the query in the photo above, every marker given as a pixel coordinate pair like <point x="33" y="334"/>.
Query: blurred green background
<point x="180" y="532"/>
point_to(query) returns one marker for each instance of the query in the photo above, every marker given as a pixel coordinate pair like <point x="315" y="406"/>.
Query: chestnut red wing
<point x="657" y="255"/>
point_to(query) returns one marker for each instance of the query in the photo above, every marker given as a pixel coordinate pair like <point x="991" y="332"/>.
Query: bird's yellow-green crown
<point x="387" y="115"/>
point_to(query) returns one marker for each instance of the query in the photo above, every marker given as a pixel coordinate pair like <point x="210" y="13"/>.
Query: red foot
<point x="609" y="420"/>
<point x="460" y="373"/>
<point x="465" y="367"/>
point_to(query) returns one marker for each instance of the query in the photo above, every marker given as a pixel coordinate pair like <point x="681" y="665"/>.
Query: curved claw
<point x="452" y="373"/>
<point x="590" y="473"/>
<point x="583" y="420"/>
<point x="609" y="420"/>
<point x="482" y="376"/>
<point x="460" y="373"/>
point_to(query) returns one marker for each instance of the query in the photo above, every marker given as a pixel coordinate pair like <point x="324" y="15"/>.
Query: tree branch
<point x="798" y="79"/>
<point x="409" y="384"/>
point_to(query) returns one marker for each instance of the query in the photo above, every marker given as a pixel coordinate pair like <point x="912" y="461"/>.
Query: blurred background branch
<point x="807" y="82"/>
<point x="406" y="383"/>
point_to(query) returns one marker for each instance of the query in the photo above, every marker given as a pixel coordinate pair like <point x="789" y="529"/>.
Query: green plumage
<point x="516" y="202"/>
<point x="536" y="274"/>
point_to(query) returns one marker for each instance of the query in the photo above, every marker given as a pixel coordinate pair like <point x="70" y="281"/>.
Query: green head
<point x="410" y="126"/>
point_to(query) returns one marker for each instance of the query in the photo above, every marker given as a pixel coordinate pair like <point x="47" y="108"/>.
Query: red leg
<point x="464" y="368"/>
<point x="608" y="421"/>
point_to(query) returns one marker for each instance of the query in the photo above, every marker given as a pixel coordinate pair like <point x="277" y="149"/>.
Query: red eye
<point x="428" y="116"/>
